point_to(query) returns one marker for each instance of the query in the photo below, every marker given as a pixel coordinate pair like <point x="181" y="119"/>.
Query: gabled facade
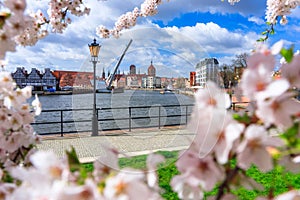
<point x="34" y="79"/>
<point x="48" y="80"/>
<point x="20" y="76"/>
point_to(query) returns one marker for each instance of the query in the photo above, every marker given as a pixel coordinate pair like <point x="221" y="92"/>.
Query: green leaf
<point x="3" y="17"/>
<point x="287" y="53"/>
<point x="290" y="135"/>
<point x="73" y="160"/>
<point x="260" y="40"/>
<point x="242" y="119"/>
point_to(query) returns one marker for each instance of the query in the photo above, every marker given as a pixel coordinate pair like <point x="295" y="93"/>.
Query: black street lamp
<point x="94" y="51"/>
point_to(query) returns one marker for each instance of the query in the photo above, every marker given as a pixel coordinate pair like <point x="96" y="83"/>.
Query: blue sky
<point x="182" y="34"/>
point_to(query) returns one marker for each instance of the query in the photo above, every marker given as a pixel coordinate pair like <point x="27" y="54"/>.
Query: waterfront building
<point x="150" y="82"/>
<point x="34" y="79"/>
<point x="73" y="78"/>
<point x="158" y="82"/>
<point x="121" y="82"/>
<point x="144" y="82"/>
<point x="207" y="69"/>
<point x="20" y="76"/>
<point x="48" y="80"/>
<point x="132" y="81"/>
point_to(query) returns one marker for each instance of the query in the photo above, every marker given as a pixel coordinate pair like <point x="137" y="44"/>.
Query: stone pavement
<point x="137" y="142"/>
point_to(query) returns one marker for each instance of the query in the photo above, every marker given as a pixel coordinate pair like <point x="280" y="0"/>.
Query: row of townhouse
<point x="36" y="79"/>
<point x="56" y="79"/>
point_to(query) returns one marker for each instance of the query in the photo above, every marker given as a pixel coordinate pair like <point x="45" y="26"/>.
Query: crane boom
<point x="112" y="76"/>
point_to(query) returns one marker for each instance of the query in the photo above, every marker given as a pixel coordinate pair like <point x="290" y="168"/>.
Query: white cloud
<point x="215" y="39"/>
<point x="256" y="20"/>
<point x="170" y="48"/>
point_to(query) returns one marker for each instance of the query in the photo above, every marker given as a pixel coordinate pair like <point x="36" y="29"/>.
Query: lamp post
<point x="94" y="51"/>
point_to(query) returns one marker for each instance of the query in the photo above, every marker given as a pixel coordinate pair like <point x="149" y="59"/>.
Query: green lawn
<point x="276" y="180"/>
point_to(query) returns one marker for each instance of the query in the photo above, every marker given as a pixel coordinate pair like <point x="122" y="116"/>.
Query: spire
<point x="103" y="74"/>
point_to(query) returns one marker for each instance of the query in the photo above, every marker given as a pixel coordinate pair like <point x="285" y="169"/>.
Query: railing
<point x="67" y="121"/>
<point x="121" y="118"/>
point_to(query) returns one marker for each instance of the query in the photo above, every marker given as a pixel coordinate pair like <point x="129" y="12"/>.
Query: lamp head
<point x="94" y="49"/>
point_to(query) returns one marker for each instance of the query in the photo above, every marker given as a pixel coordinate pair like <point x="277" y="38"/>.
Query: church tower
<point x="151" y="70"/>
<point x="132" y="69"/>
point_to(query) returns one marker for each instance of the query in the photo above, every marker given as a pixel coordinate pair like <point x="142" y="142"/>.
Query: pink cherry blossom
<point x="46" y="162"/>
<point x="253" y="149"/>
<point x="291" y="71"/>
<point x="88" y="191"/>
<point x="127" y="184"/>
<point x="290" y="195"/>
<point x="209" y="118"/>
<point x="277" y="8"/>
<point x="290" y="163"/>
<point x="255" y="81"/>
<point x="232" y="2"/>
<point x="6" y="190"/>
<point x="6" y="83"/>
<point x="212" y="97"/>
<point x="226" y="140"/>
<point x="200" y="168"/>
<point x="16" y="6"/>
<point x="187" y="186"/>
<point x="278" y="111"/>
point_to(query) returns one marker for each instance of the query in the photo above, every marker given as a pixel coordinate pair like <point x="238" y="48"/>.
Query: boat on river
<point x="112" y="90"/>
<point x="166" y="91"/>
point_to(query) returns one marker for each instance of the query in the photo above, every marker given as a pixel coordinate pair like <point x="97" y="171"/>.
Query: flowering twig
<point x="226" y="182"/>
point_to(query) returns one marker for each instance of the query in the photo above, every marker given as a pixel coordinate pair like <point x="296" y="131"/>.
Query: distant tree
<point x="166" y="84"/>
<point x="180" y="82"/>
<point x="238" y="64"/>
<point x="240" y="60"/>
<point x="227" y="75"/>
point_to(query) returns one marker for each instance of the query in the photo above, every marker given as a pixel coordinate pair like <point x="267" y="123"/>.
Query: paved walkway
<point x="137" y="142"/>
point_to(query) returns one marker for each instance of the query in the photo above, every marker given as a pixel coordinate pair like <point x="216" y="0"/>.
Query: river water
<point x="130" y="98"/>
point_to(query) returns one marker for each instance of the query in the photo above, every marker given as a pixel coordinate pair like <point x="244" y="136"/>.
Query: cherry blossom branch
<point x="226" y="182"/>
<point x="267" y="33"/>
<point x="280" y="9"/>
<point x="18" y="28"/>
<point x="128" y="20"/>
